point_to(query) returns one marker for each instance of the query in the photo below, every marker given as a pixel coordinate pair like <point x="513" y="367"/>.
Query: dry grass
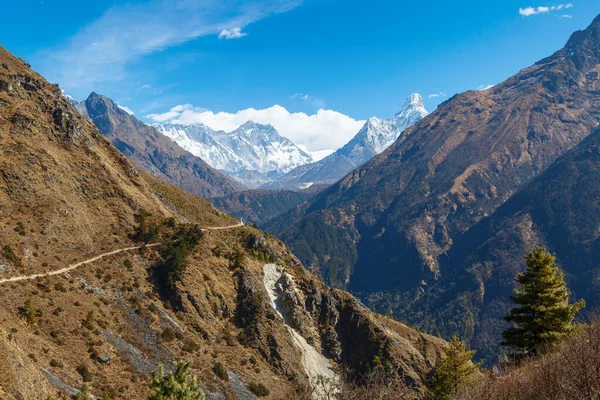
<point x="570" y="370"/>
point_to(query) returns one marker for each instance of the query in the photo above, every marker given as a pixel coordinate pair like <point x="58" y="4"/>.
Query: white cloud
<point x="322" y="131"/>
<point x="316" y="102"/>
<point x="146" y="86"/>
<point x="566" y="16"/>
<point x="321" y="154"/>
<point x="102" y="50"/>
<point x="530" y="11"/>
<point x="126" y="109"/>
<point x="435" y="95"/>
<point x="234" y="33"/>
<point x="485" y="87"/>
<point x="317" y="155"/>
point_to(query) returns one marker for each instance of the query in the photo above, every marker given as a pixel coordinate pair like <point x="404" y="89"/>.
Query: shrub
<point x="220" y="371"/>
<point x="85" y="373"/>
<point x="30" y="312"/>
<point x="189" y="346"/>
<point x="11" y="256"/>
<point x="259" y="389"/>
<point x="168" y="334"/>
<point x="566" y="370"/>
<point x="60" y="287"/>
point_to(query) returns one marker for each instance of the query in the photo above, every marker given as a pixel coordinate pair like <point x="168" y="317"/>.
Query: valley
<point x="229" y="221"/>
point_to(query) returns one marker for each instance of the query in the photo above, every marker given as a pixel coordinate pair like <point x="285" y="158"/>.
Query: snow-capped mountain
<point x="255" y="154"/>
<point x="373" y="138"/>
<point x="199" y="140"/>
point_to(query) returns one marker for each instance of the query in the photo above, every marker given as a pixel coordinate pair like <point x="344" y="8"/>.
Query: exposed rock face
<point x="384" y="228"/>
<point x="154" y="152"/>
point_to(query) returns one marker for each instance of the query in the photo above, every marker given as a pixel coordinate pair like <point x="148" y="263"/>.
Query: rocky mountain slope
<point x="153" y="152"/>
<point x="68" y="195"/>
<point x="258" y="206"/>
<point x="558" y="209"/>
<point x="374" y="137"/>
<point x="384" y="229"/>
<point x="254" y="154"/>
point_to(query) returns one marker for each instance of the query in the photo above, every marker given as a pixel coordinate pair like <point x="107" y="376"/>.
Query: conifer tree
<point x="178" y="385"/>
<point x="455" y="370"/>
<point x="543" y="314"/>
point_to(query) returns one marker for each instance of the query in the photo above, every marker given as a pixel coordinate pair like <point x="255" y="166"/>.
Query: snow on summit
<point x="254" y="153"/>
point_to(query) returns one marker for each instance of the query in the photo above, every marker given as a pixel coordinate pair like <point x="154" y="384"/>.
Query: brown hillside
<point x="67" y="195"/>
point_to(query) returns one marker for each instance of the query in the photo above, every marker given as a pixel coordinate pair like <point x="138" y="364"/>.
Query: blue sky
<point x="357" y="58"/>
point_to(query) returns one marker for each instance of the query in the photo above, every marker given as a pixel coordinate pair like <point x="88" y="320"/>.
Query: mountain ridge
<point x="385" y="227"/>
<point x="154" y="152"/>
<point x="374" y="137"/>
<point x="254" y="154"/>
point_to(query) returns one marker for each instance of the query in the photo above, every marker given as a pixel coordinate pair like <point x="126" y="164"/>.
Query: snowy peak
<point x="200" y="141"/>
<point x="378" y="134"/>
<point x="374" y="137"/>
<point x="253" y="153"/>
<point x="412" y="106"/>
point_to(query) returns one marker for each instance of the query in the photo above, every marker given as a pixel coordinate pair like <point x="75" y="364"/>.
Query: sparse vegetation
<point x="83" y="393"/>
<point x="259" y="389"/>
<point x="85" y="373"/>
<point x="11" y="256"/>
<point x="31" y="313"/>
<point x="220" y="371"/>
<point x="563" y="371"/>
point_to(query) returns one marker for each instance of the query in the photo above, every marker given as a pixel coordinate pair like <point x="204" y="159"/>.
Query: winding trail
<point x="98" y="257"/>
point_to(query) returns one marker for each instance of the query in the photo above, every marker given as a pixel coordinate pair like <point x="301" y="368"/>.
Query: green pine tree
<point x="454" y="371"/>
<point x="178" y="385"/>
<point x="543" y="314"/>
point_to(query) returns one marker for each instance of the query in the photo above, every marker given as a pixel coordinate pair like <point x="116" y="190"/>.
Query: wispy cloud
<point x="530" y="11"/>
<point x="485" y="87"/>
<point x="435" y="95"/>
<point x="314" y="101"/>
<point x="323" y="130"/>
<point x="235" y="33"/>
<point x="300" y="96"/>
<point x="101" y="51"/>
